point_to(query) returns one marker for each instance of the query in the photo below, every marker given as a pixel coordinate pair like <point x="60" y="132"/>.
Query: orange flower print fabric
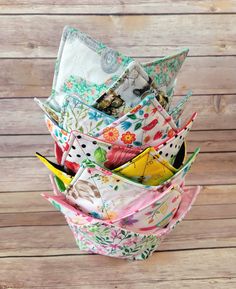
<point x="128" y="137"/>
<point x="110" y="134"/>
<point x="146" y="124"/>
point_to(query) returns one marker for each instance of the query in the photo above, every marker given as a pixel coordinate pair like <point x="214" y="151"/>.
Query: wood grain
<point x="39" y="36"/>
<point x="204" y="267"/>
<point x="37" y="249"/>
<point x="33" y="77"/>
<point x="115" y="7"/>
<point x="209" y="283"/>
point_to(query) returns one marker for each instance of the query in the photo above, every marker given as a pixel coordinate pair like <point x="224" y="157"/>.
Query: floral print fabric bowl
<point x="156" y="215"/>
<point x="76" y="115"/>
<point x="81" y="147"/>
<point x="144" y="124"/>
<point x="117" y="154"/>
<point x="100" y="237"/>
<point x="148" y="168"/>
<point x="105" y="194"/>
<point x="120" y="150"/>
<point x="89" y="68"/>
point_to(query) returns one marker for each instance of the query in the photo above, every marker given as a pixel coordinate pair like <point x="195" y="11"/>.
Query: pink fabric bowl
<point x="101" y="237"/>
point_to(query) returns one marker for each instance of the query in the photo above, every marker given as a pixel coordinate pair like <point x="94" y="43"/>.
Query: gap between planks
<point x="135" y="35"/>
<point x="16" y="7"/>
<point x="191" y="268"/>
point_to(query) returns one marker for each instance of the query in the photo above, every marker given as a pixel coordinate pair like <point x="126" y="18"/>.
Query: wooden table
<point x="37" y="249"/>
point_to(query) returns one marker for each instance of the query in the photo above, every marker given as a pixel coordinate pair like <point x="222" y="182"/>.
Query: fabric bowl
<point x="100" y="237"/>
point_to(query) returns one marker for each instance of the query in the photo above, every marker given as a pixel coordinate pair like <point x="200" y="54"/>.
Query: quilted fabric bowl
<point x="167" y="146"/>
<point x="100" y="237"/>
<point x="89" y="68"/>
<point x="103" y="193"/>
<point x="119" y="145"/>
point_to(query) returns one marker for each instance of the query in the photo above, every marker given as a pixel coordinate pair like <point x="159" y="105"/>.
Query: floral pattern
<point x="108" y="65"/>
<point x="81" y="147"/>
<point x="86" y="91"/>
<point x="73" y="73"/>
<point x="59" y="135"/>
<point x="117" y="154"/>
<point x="177" y="111"/>
<point x="120" y="182"/>
<point x="164" y="71"/>
<point x="92" y="193"/>
<point x="147" y="120"/>
<point x="75" y="115"/>
<point x="128" y="137"/>
<point x="100" y="237"/>
<point x="154" y="216"/>
<point x="110" y="134"/>
<point x="122" y="196"/>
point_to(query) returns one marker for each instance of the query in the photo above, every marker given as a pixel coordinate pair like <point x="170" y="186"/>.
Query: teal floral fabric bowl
<point x="107" y="79"/>
<point x="89" y="68"/>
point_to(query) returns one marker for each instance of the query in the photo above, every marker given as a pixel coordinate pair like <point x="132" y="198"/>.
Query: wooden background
<point x="37" y="249"/>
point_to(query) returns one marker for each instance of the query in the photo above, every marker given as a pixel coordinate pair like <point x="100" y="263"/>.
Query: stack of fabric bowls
<point x="120" y="147"/>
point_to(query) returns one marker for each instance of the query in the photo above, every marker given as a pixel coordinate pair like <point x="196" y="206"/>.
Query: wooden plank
<point x="32" y="219"/>
<point x="213" y="195"/>
<point x="33" y="77"/>
<point x="26" y="145"/>
<point x="23" y="116"/>
<point x="58" y="240"/>
<point x="212" y="141"/>
<point x="28" y="174"/>
<point x="207" y="283"/>
<point x="205" y="212"/>
<point x="193" y="269"/>
<point x="213" y="168"/>
<point x="163" y="33"/>
<point x="27" y="202"/>
<point x="115" y="7"/>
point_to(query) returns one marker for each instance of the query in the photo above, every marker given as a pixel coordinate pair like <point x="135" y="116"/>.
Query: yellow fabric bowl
<point x="148" y="168"/>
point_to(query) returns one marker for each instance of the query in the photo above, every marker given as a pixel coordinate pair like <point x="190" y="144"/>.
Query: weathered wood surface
<point x="217" y="271"/>
<point x="39" y="35"/>
<point x="37" y="249"/>
<point x="116" y="7"/>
